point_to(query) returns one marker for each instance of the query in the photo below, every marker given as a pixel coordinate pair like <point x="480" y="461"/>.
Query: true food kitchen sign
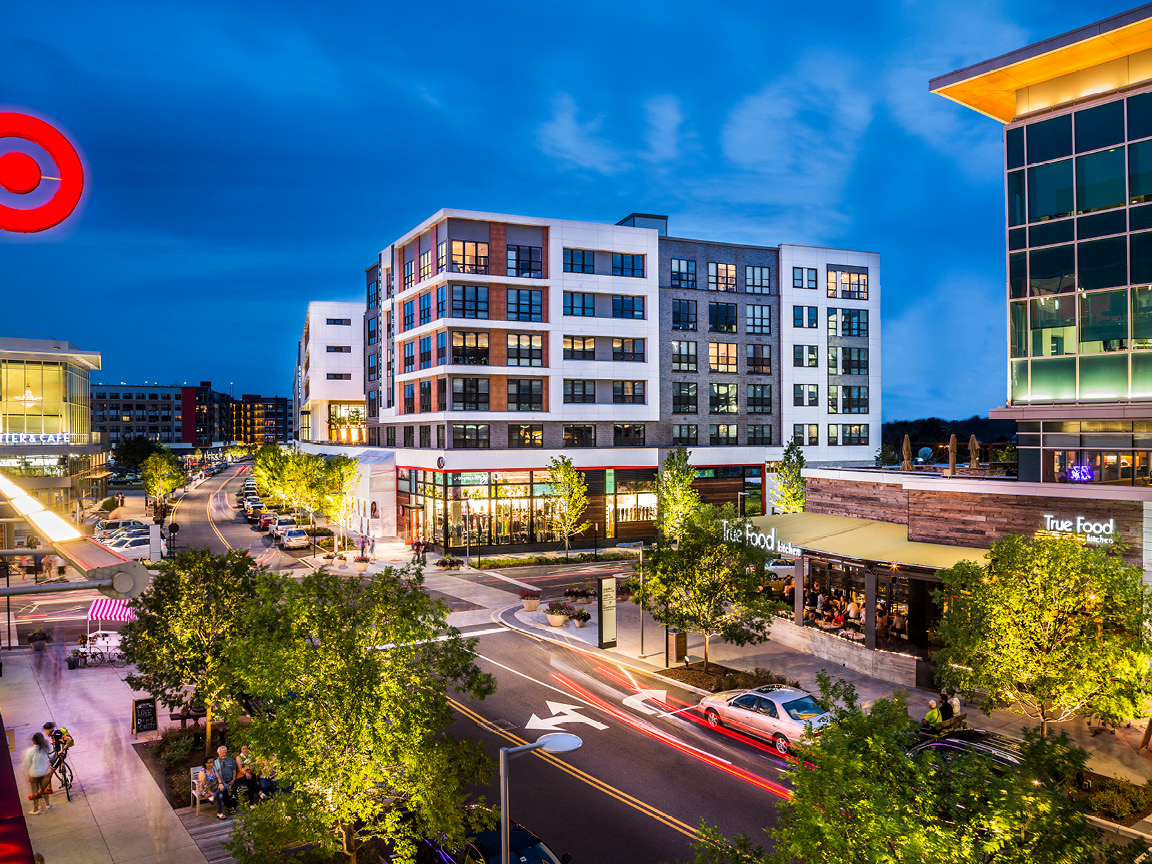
<point x="768" y="542"/>
<point x="1096" y="533"/>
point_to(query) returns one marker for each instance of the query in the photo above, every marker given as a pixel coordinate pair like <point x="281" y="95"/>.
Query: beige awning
<point x="862" y="539"/>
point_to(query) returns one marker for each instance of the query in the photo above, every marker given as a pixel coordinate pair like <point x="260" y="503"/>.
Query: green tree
<point x="304" y="482"/>
<point x="185" y="619"/>
<point x="161" y="473"/>
<point x="1050" y="627"/>
<point x="887" y="455"/>
<point x="675" y="497"/>
<point x="708" y="584"/>
<point x="569" y="494"/>
<point x="788" y="496"/>
<point x="269" y="470"/>
<point x="131" y="452"/>
<point x="340" y="476"/>
<point x="356" y="679"/>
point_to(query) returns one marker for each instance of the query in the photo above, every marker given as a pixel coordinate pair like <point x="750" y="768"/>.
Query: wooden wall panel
<point x="883" y="502"/>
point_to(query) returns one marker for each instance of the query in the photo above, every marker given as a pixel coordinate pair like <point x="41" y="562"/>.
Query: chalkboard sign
<point x="144" y="716"/>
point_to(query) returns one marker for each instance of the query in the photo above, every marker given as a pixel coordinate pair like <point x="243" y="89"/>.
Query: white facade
<point x="330" y="368"/>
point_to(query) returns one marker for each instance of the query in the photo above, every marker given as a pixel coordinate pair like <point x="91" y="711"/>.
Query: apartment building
<point x="261" y="419"/>
<point x="183" y="417"/>
<point x="328" y="386"/>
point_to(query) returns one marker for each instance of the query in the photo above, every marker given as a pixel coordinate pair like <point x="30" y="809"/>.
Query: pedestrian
<point x="372" y="550"/>
<point x="36" y="767"/>
<point x="208" y="787"/>
<point x="954" y="701"/>
<point x="946" y="711"/>
<point x="932" y="719"/>
<point x="363" y="546"/>
<point x="246" y="769"/>
<point x="226" y="773"/>
<point x="46" y="565"/>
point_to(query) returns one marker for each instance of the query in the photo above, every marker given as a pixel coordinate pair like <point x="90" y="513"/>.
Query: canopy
<point x="862" y="539"/>
<point x="107" y="609"/>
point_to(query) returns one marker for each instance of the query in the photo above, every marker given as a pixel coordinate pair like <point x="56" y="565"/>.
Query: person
<point x="246" y="775"/>
<point x="820" y="600"/>
<point x="59" y="738"/>
<point x="954" y="701"/>
<point x="932" y="719"/>
<point x="226" y="774"/>
<point x="372" y="547"/>
<point x="946" y="711"/>
<point x="363" y="546"/>
<point x="897" y="625"/>
<point x="838" y="617"/>
<point x="208" y="787"/>
<point x="853" y="615"/>
<point x="789" y="590"/>
<point x="47" y="563"/>
<point x="36" y="767"/>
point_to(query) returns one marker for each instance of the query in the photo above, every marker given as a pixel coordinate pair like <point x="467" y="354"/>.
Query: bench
<point x="196" y="769"/>
<point x="186" y="714"/>
<point x="958" y="721"/>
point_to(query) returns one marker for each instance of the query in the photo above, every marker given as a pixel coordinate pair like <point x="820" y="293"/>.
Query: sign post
<point x="144" y="717"/>
<point x="607" y="612"/>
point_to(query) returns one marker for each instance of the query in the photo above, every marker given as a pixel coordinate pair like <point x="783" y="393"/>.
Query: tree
<point x="675" y="496"/>
<point x="185" y="619"/>
<point x="355" y="679"/>
<point x="161" y="473"/>
<point x="788" y="496"/>
<point x="1050" y="626"/>
<point x="269" y="470"/>
<point x="340" y="475"/>
<point x="708" y="584"/>
<point x="304" y="482"/>
<point x="569" y="494"/>
<point x="887" y="455"/>
<point x="131" y="452"/>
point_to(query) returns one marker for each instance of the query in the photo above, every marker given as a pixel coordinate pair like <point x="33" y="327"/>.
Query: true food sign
<point x="759" y="539"/>
<point x="1097" y="533"/>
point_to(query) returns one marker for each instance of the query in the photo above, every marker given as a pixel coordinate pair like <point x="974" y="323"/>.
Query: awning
<point x="107" y="609"/>
<point x="862" y="540"/>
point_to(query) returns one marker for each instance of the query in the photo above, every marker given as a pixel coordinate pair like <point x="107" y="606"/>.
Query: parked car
<point x="139" y="548"/>
<point x="280" y="525"/>
<point x="774" y="713"/>
<point x="524" y="846"/>
<point x="294" y="538"/>
<point x="782" y="568"/>
<point x="1004" y="751"/>
<point x="124" y="533"/>
<point x="106" y="527"/>
<point x="266" y="518"/>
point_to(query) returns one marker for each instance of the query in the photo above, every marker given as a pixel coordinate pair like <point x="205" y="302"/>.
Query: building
<point x="261" y="419"/>
<point x="181" y="417"/>
<point x="494" y="343"/>
<point x="46" y="437"/>
<point x="328" y="391"/>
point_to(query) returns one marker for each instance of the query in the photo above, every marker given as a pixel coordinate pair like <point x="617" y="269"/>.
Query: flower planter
<point x="361" y="566"/>
<point x="72" y="662"/>
<point x="578" y="622"/>
<point x="38" y="644"/>
<point x="531" y="604"/>
<point x="557" y="620"/>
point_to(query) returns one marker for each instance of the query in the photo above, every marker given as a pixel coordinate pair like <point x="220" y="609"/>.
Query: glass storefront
<point x="1114" y="452"/>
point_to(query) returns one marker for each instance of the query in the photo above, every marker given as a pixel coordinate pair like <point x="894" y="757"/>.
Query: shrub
<point x="109" y="505"/>
<point x="1118" y="799"/>
<point x="181" y="785"/>
<point x="177" y="752"/>
<point x="579" y="614"/>
<point x="321" y="532"/>
<point x="734" y="679"/>
<point x="528" y="594"/>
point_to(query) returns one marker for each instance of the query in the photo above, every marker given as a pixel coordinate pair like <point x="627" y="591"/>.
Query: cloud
<point x="664" y="118"/>
<point x="566" y="138"/>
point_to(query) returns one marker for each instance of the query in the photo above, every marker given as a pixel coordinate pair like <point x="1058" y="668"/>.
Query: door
<point x="742" y="713"/>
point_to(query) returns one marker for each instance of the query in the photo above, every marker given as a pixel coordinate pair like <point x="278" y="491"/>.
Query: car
<point x="775" y="713"/>
<point x="138" y="548"/>
<point x="294" y="538"/>
<point x="127" y="532"/>
<point x="1003" y="751"/>
<point x="106" y="527"/>
<point x="782" y="568"/>
<point x="266" y="518"/>
<point x="524" y="846"/>
<point x="280" y="525"/>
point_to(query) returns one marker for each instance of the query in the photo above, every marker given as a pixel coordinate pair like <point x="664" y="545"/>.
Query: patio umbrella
<point x="952" y="456"/>
<point x="974" y="452"/>
<point x="907" y="464"/>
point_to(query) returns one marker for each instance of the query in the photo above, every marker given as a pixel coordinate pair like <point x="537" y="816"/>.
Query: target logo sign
<point x="21" y="174"/>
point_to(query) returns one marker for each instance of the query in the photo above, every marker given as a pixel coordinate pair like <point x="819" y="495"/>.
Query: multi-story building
<point x="328" y="389"/>
<point x="124" y="411"/>
<point x="261" y="419"/>
<point x="610" y="343"/>
<point x="46" y="437"/>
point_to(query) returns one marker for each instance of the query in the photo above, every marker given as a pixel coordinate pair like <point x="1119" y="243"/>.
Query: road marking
<point x="636" y="700"/>
<point x="561" y="714"/>
<point x="595" y="782"/>
<point x="510" y="580"/>
<point x="208" y="511"/>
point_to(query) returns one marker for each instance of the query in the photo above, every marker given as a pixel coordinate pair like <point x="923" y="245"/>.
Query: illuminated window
<point x="721" y="357"/>
<point x="470" y="436"/>
<point x="409" y="274"/>
<point x="425" y="265"/>
<point x="524" y="436"/>
<point x="721" y="277"/>
<point x="469" y="257"/>
<point x="525" y="349"/>
<point x="470" y="349"/>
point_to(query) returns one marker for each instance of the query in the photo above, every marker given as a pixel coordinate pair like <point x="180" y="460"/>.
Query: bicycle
<point x="60" y="767"/>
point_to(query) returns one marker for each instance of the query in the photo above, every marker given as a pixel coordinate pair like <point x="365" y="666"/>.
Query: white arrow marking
<point x="636" y="700"/>
<point x="563" y="714"/>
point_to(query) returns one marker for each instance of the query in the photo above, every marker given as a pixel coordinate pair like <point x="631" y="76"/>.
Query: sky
<point x="246" y="158"/>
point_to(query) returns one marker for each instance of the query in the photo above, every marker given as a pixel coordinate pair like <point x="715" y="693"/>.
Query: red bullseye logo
<point x="21" y="174"/>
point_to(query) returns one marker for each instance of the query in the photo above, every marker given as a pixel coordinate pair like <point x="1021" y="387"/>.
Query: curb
<point x="1122" y="830"/>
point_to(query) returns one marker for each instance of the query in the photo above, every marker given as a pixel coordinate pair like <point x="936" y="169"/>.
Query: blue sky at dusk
<point x="245" y="158"/>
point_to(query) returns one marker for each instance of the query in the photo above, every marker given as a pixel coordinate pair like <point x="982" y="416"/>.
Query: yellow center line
<point x="595" y="782"/>
<point x="208" y="511"/>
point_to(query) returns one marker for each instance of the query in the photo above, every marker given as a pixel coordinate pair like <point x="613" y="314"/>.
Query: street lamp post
<point x="553" y="742"/>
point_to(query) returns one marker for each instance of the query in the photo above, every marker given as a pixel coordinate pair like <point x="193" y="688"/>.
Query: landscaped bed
<point x="719" y="677"/>
<point x="538" y="560"/>
<point x="1116" y="800"/>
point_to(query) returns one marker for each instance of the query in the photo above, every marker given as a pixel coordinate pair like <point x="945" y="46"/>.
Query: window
<point x="805" y="278"/>
<point x="525" y="262"/>
<point x="805" y="355"/>
<point x="409" y="356"/>
<point x="425" y="308"/>
<point x="347" y="376"/>
<point x="579" y="261"/>
<point x="854" y="361"/>
<point x="833" y="399"/>
<point x="390" y="436"/>
<point x="425" y="436"/>
<point x="339" y="349"/>
<point x="627" y="307"/>
<point x="722" y="435"/>
<point x="440" y="437"/>
<point x="346" y="322"/>
<point x="469" y="301"/>
<point x="441" y="394"/>
<point x="854" y="435"/>
<point x="683" y="273"/>
<point x="833" y="435"/>
<point x="852" y="286"/>
<point x="579" y="304"/>
<point x="470" y="436"/>
<point x="804" y="316"/>
<point x="833" y="359"/>
<point x="525" y="349"/>
<point x="759" y="399"/>
<point x="426" y="352"/>
<point x="628" y="392"/>
<point x="805" y="394"/>
<point x="425" y="265"/>
<point x="525" y="394"/>
<point x="469" y="394"/>
<point x="441" y="303"/>
<point x="721" y="356"/>
<point x="757" y="280"/>
<point x="759" y="360"/>
<point x="425" y="397"/>
<point x="683" y="314"/>
<point x="854" y="322"/>
<point x="722" y="399"/>
<point x="579" y="392"/>
<point x="470" y="349"/>
<point x="721" y="277"/>
<point x="409" y="398"/>
<point x="469" y="257"/>
<point x="722" y="317"/>
<point x="684" y="433"/>
<point x="854" y="400"/>
<point x="810" y="431"/>
<point x="797" y="277"/>
<point x="373" y="370"/>
<point x="683" y="397"/>
<point x="759" y="435"/>
<point x="628" y="265"/>
<point x="683" y="356"/>
<point x="409" y="438"/>
<point x="525" y="436"/>
<point x="579" y="348"/>
<point x="409" y="274"/>
<point x="628" y="435"/>
<point x="441" y="264"/>
<point x="758" y="320"/>
<point x="409" y="315"/>
<point x="628" y="350"/>
<point x="525" y="304"/>
<point x="441" y="349"/>
<point x="580" y="436"/>
<point x="373" y="330"/>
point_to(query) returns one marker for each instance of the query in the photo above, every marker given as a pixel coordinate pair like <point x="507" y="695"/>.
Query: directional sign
<point x="562" y="714"/>
<point x="636" y="700"/>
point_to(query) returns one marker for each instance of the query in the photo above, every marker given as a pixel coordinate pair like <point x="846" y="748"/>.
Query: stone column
<point x="870" y="609"/>
<point x="798" y="592"/>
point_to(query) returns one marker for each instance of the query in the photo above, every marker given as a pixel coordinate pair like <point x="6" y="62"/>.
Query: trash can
<point x="677" y="648"/>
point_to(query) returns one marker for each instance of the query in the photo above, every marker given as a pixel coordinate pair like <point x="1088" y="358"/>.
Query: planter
<point x="578" y="622"/>
<point x="557" y="620"/>
<point x="361" y="566"/>
<point x="72" y="662"/>
<point x="38" y="645"/>
<point x="531" y="604"/>
<point x="455" y="565"/>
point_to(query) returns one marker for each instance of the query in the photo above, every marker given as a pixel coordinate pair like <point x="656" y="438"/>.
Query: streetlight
<point x="553" y="742"/>
<point x="639" y="544"/>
